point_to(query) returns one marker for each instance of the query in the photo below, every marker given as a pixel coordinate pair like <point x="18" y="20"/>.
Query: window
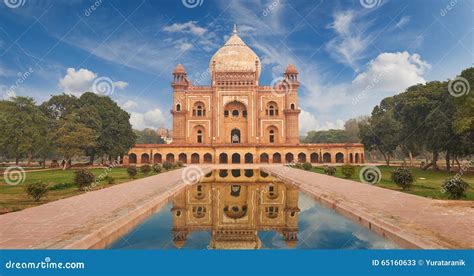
<point x="272" y="136"/>
<point x="199" y="136"/>
<point x="292" y="106"/>
<point x="226" y="113"/>
<point x="178" y="213"/>
<point x="235" y="113"/>
<point x="244" y="113"/>
<point x="199" y="110"/>
<point x="272" y="109"/>
<point x="178" y="107"/>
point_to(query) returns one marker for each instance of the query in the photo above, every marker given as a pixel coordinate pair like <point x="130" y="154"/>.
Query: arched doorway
<point x="301" y="157"/>
<point x="170" y="157"/>
<point x="208" y="158"/>
<point x="339" y="157"/>
<point x="157" y="158"/>
<point x="351" y="158"/>
<point x="235" y="158"/>
<point x="182" y="157"/>
<point x="132" y="158"/>
<point x="357" y="160"/>
<point x="327" y="157"/>
<point x="223" y="158"/>
<point x="145" y="158"/>
<point x="264" y="158"/>
<point x="314" y="158"/>
<point x="289" y="158"/>
<point x="276" y="158"/>
<point x="235" y="136"/>
<point x="248" y="158"/>
<point x="195" y="158"/>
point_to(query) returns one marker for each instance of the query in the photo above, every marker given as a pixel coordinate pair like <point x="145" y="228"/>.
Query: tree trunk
<point x="435" y="160"/>
<point x="458" y="163"/>
<point x="91" y="159"/>
<point x="30" y="156"/>
<point x="410" y="155"/>
<point x="448" y="164"/>
<point x="17" y="160"/>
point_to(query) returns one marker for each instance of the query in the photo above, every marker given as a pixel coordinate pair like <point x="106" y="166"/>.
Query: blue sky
<point x="350" y="54"/>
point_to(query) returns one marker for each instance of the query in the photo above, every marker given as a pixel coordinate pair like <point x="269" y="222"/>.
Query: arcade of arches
<point x="313" y="153"/>
<point x="236" y="120"/>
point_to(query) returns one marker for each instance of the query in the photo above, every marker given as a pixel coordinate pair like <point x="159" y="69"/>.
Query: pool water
<point x="247" y="210"/>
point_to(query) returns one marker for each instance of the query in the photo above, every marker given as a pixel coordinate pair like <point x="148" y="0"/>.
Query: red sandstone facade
<point x="236" y="120"/>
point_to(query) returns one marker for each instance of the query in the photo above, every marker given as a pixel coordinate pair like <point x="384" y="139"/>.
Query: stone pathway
<point x="90" y="220"/>
<point x="411" y="221"/>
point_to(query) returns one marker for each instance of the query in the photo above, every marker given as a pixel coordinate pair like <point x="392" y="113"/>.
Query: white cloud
<point x="188" y="27"/>
<point x="351" y="40"/>
<point x="120" y="84"/>
<point x="184" y="46"/>
<point x="79" y="81"/>
<point x="392" y="72"/>
<point x="308" y="122"/>
<point x="150" y="119"/>
<point x="403" y="21"/>
<point x="130" y="105"/>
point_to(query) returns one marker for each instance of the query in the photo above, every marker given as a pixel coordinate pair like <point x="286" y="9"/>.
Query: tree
<point x="110" y="123"/>
<point x="382" y="131"/>
<point x="148" y="136"/>
<point x="74" y="138"/>
<point x="23" y="127"/>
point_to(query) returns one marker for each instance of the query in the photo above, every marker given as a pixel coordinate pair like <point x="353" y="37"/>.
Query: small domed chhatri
<point x="235" y="119"/>
<point x="235" y="56"/>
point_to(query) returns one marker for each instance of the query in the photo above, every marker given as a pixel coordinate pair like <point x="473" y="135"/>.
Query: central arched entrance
<point x="235" y="136"/>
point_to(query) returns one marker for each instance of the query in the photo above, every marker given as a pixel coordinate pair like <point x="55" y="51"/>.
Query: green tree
<point x="22" y="128"/>
<point x="74" y="137"/>
<point x="148" y="136"/>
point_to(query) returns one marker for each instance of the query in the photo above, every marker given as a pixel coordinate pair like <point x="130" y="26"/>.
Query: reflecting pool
<point x="247" y="209"/>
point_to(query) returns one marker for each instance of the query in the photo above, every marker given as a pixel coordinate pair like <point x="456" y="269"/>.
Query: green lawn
<point x="13" y="198"/>
<point x="428" y="187"/>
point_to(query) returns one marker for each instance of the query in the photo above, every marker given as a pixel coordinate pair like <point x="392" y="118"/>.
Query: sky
<point x="350" y="54"/>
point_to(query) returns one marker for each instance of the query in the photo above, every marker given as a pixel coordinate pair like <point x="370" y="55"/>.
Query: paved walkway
<point x="410" y="220"/>
<point x="92" y="219"/>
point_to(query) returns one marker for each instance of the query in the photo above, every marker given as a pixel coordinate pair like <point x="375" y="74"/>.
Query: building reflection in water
<point x="234" y="205"/>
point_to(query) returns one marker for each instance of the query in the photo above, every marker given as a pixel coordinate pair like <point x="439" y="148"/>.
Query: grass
<point x="60" y="185"/>
<point x="430" y="186"/>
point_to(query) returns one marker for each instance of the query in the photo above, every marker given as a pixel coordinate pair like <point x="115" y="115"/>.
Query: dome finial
<point x="235" y="29"/>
